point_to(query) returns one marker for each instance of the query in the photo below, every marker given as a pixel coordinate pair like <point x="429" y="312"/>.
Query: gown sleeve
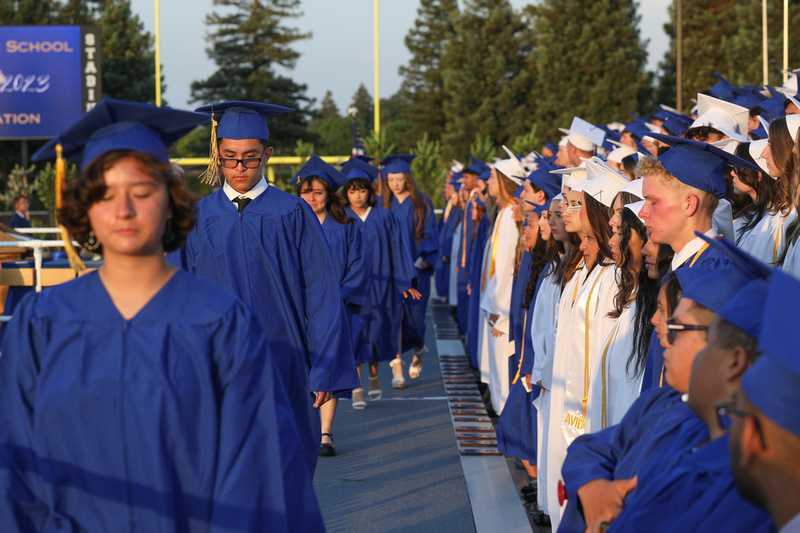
<point x="356" y="273"/>
<point x="430" y="242"/>
<point x="402" y="266"/>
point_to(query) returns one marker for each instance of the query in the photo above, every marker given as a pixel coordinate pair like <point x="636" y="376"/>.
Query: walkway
<point x="399" y="467"/>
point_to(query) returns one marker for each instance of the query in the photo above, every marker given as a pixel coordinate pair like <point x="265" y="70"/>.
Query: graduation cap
<point x="240" y="120"/>
<point x="477" y="166"/>
<point x="584" y="135"/>
<point x="636" y="208"/>
<point x="397" y="163"/>
<point x="315" y="166"/>
<point x="457" y="166"/>
<point x="486" y="174"/>
<point x="605" y="187"/>
<point x="358" y="168"/>
<point x="511" y="167"/>
<point x="720" y="114"/>
<point x="619" y="152"/>
<point x="548" y="182"/>
<point x="634" y="187"/>
<point x="773" y="382"/>
<point x="793" y="125"/>
<point x="556" y="198"/>
<point x="699" y="164"/>
<point x="363" y="157"/>
<point x="755" y="149"/>
<point x="120" y="125"/>
<point x="570" y="177"/>
<point x="551" y="145"/>
<point x="518" y="192"/>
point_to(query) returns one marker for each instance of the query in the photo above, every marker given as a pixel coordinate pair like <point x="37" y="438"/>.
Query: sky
<point x="339" y="55"/>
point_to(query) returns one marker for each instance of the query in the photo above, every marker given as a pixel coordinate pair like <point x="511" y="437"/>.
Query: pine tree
<point x="422" y="77"/>
<point x="362" y="102"/>
<point x="249" y="42"/>
<point x="486" y="81"/>
<point x="589" y="62"/>
<point x="328" y="107"/>
<point x="427" y="169"/>
<point x="28" y="12"/>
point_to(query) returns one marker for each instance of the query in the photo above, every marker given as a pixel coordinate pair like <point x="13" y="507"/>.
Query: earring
<point x="91" y="243"/>
<point x="168" y="235"/>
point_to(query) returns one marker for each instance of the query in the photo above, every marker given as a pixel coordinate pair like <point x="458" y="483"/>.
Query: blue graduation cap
<point x="120" y="125"/>
<point x="456" y="177"/>
<point x="773" y="383"/>
<point x="687" y="276"/>
<point x="553" y="146"/>
<point x="479" y="201"/>
<point x="358" y="168"/>
<point x="518" y="192"/>
<point x="243" y="120"/>
<point x="548" y="182"/>
<point x="315" y="166"/>
<point x="477" y="166"/>
<point x="485" y="175"/>
<point x="457" y="185"/>
<point x="396" y="164"/>
<point x="716" y="289"/>
<point x="363" y="157"/>
<point x="699" y="164"/>
<point x="759" y="132"/>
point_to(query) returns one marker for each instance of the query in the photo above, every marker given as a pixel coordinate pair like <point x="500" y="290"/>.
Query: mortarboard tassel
<point x="61" y="181"/>
<point x="211" y="174"/>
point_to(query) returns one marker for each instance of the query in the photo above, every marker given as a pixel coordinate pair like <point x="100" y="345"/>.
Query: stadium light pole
<point x="377" y="104"/>
<point x="785" y="39"/>
<point x="158" y="59"/>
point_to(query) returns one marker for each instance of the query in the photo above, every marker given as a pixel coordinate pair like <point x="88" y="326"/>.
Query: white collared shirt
<point x="365" y="215"/>
<point x="691" y="248"/>
<point x="253" y="193"/>
<point x="792" y="526"/>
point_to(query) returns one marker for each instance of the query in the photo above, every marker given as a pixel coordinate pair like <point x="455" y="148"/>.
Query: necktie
<point x="242" y="202"/>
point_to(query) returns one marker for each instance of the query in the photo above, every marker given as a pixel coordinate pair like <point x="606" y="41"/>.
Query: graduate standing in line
<point x="317" y="183"/>
<point x="390" y="279"/>
<point x="414" y="212"/>
<point x="447" y="225"/>
<point x="267" y="247"/>
<point x="480" y="228"/>
<point x="138" y="394"/>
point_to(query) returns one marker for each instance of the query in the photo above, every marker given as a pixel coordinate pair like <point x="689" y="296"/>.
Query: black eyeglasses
<point x="725" y="409"/>
<point x="674" y="327"/>
<point x="247" y="162"/>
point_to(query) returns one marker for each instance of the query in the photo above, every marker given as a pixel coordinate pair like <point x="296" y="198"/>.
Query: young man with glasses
<point x="267" y="247"/>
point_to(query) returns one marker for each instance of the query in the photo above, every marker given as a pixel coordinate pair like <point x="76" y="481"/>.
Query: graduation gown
<point x="413" y="331"/>
<point x="654" y="423"/>
<point x="767" y="238"/>
<point x="390" y="274"/>
<point x="274" y="257"/>
<point x="587" y="303"/>
<point x="452" y="294"/>
<point x="474" y="307"/>
<point x="497" y="280"/>
<point x="446" y="236"/>
<point x="174" y="421"/>
<point x="463" y="261"/>
<point x="697" y="482"/>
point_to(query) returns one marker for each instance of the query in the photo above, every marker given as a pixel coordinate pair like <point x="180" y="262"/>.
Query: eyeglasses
<point x="247" y="162"/>
<point x="674" y="327"/>
<point x="725" y="409"/>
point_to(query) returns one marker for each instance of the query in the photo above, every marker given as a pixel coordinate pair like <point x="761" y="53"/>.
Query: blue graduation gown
<point x="516" y="429"/>
<point x="464" y="250"/>
<point x="694" y="492"/>
<point x="474" y="308"/>
<point x="274" y="257"/>
<point x="655" y="422"/>
<point x="413" y="335"/>
<point x="18" y="221"/>
<point x="174" y="420"/>
<point x="711" y="259"/>
<point x="517" y="312"/>
<point x="446" y="234"/>
<point x="390" y="274"/>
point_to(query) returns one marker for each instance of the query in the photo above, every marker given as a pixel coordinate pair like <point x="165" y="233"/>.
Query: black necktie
<point x="242" y="202"/>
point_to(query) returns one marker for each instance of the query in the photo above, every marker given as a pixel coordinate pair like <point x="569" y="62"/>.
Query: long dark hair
<point x="356" y="184"/>
<point x="421" y="211"/>
<point x="551" y="251"/>
<point x="598" y="216"/>
<point x="764" y="186"/>
<point x="781" y="145"/>
<point x="334" y="204"/>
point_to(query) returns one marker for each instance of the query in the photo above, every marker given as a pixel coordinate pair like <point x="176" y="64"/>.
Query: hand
<point x="526" y="378"/>
<point x="602" y="500"/>
<point x="322" y="397"/>
<point x="496" y="332"/>
<point x="469" y="290"/>
<point x="445" y="259"/>
<point x="539" y="384"/>
<point x="414" y="293"/>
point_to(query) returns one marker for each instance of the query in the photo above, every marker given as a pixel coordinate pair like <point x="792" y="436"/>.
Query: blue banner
<point x="41" y="80"/>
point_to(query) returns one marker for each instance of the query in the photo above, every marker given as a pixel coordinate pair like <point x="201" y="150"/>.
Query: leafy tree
<point x="378" y="146"/>
<point x="422" y="85"/>
<point x="250" y="41"/>
<point x="589" y="62"/>
<point x="335" y="136"/>
<point x="304" y="151"/>
<point x="427" y="169"/>
<point x="483" y="148"/>
<point x="18" y="185"/>
<point x="362" y="103"/>
<point x="28" y="12"/>
<point x="527" y="143"/>
<point x="486" y="79"/>
<point x="328" y="106"/>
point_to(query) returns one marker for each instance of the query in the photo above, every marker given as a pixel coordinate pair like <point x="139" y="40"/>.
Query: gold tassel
<point x="61" y="182"/>
<point x="211" y="175"/>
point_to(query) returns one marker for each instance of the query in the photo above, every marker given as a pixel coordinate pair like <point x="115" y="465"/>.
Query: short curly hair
<point x="648" y="166"/>
<point x="90" y="187"/>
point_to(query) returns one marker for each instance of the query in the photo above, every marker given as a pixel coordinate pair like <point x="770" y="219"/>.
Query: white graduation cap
<point x="636" y="207"/>
<point x="720" y="114"/>
<point x="584" y="135"/>
<point x="665" y="107"/>
<point x="792" y="124"/>
<point x="457" y="167"/>
<point x="571" y="176"/>
<point x="563" y="141"/>
<point x="634" y="187"/>
<point x="755" y="149"/>
<point x="620" y="152"/>
<point x="616" y="126"/>
<point x="730" y="142"/>
<point x="790" y="85"/>
<point x="764" y="123"/>
<point x="511" y="167"/>
<point x="605" y="187"/>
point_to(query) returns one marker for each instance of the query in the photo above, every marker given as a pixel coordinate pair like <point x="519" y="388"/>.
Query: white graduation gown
<point x="496" y="299"/>
<point x="767" y="239"/>
<point x="543" y="339"/>
<point x="573" y="368"/>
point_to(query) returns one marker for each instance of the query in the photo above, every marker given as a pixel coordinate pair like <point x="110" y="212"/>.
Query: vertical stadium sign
<point x="49" y="76"/>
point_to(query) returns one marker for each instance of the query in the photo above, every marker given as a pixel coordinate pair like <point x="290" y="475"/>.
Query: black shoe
<point x="327" y="450"/>
<point x="541" y="519"/>
<point x="531" y="488"/>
